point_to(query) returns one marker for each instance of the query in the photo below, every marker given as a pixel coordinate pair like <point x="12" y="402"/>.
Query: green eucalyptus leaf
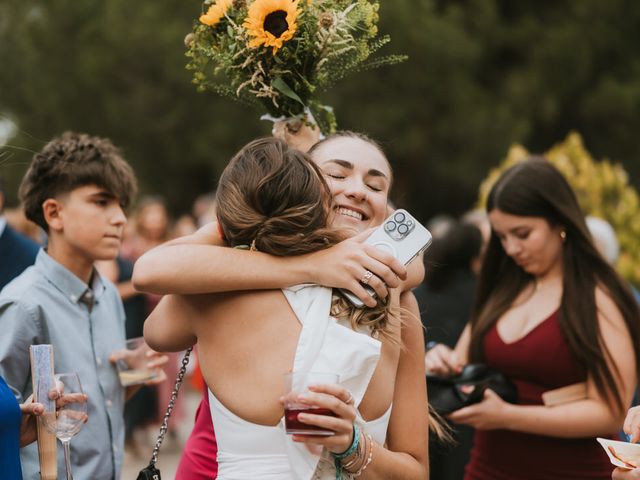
<point x="279" y="84"/>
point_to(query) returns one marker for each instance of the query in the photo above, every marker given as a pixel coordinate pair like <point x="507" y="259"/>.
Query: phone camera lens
<point x="402" y="229"/>
<point x="399" y="217"/>
<point x="390" y="226"/>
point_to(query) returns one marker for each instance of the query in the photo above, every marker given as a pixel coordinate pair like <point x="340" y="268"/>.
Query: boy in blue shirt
<point x="77" y="188"/>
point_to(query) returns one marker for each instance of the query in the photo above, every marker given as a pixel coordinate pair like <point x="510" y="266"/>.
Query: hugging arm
<point x="406" y="453"/>
<point x="200" y="263"/>
<point x="168" y="328"/>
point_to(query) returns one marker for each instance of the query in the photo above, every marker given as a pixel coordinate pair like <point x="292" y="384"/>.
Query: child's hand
<point x="28" y="429"/>
<point x="143" y="358"/>
<point x="156" y="361"/>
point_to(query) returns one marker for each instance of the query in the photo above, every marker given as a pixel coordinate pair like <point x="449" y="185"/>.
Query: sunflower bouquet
<point x="277" y="55"/>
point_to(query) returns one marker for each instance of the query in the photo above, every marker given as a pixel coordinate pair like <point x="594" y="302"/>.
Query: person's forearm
<point x="585" y="418"/>
<point x="189" y="269"/>
<point x="126" y="290"/>
<point x="388" y="465"/>
<point x="407" y="454"/>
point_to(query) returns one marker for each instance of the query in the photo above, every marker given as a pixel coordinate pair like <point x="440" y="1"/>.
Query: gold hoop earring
<point x="563" y="236"/>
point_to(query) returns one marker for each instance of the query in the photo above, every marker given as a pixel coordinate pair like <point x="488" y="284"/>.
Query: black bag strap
<point x="151" y="472"/>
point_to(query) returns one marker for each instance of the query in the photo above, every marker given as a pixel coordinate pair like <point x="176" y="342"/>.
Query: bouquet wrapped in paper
<point x="277" y="55"/>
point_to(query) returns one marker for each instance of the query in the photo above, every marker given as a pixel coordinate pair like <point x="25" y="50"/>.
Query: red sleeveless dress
<point x="538" y="362"/>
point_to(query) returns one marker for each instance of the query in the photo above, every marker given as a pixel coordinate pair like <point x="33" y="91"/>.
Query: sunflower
<point x="216" y="12"/>
<point x="271" y="22"/>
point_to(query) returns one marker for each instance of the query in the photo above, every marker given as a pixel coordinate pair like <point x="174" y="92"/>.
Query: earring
<point x="563" y="236"/>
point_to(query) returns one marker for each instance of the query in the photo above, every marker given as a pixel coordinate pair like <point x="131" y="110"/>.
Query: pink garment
<point x="199" y="457"/>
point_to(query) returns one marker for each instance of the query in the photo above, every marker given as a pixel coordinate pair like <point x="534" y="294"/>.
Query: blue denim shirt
<point x="43" y="306"/>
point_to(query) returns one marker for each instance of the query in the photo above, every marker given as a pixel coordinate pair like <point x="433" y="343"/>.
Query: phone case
<point x="402" y="236"/>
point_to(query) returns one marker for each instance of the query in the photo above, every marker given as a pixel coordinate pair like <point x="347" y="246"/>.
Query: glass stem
<point x="67" y="458"/>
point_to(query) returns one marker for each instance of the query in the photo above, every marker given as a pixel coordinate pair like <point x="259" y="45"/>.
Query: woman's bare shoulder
<point x="607" y="308"/>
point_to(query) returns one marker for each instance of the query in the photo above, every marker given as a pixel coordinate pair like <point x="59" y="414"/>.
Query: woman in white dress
<point x="359" y="178"/>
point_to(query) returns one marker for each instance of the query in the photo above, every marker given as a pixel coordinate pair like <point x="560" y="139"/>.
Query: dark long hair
<point x="534" y="188"/>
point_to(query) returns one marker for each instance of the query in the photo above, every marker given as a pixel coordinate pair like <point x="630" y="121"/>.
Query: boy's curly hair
<point x="70" y="161"/>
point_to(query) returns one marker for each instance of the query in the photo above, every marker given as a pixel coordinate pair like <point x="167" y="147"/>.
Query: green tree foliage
<point x="481" y="75"/>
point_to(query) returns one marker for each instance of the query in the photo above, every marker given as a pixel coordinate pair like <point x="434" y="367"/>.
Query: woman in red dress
<point x="550" y="312"/>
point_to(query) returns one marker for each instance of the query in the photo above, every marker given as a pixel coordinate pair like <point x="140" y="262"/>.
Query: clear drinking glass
<point x="295" y="384"/>
<point x="132" y="368"/>
<point x="68" y="413"/>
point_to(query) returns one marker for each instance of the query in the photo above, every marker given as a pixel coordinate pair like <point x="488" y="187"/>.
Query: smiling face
<point x="359" y="177"/>
<point x="531" y="242"/>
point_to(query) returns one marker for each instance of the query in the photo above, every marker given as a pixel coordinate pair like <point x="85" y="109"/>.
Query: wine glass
<point x="70" y="411"/>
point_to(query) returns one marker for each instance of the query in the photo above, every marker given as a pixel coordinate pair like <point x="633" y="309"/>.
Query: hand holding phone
<point x="402" y="236"/>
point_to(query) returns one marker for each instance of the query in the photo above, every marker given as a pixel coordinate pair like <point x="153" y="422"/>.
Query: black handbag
<point x="150" y="472"/>
<point x="448" y="394"/>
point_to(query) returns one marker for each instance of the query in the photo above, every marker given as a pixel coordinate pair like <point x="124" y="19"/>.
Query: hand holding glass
<point x="70" y="411"/>
<point x="297" y="383"/>
<point x="132" y="366"/>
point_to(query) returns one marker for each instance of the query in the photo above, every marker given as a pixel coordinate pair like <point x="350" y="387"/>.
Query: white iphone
<point x="402" y="236"/>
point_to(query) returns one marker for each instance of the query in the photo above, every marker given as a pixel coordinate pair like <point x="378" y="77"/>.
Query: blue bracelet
<point x="338" y="457"/>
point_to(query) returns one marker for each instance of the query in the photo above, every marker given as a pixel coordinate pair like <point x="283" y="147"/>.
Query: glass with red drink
<point x="297" y="383"/>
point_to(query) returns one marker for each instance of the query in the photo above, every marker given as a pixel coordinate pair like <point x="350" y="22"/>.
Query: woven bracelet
<point x="338" y="457"/>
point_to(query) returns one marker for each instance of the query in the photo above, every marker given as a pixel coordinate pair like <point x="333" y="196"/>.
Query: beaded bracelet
<point x="370" y="457"/>
<point x="357" y="457"/>
<point x="338" y="457"/>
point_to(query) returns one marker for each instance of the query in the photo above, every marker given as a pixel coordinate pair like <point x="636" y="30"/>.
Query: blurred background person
<point x="17" y="252"/>
<point x="446" y="299"/>
<point x="141" y="409"/>
<point x="446" y="295"/>
<point x="152" y="227"/>
<point x="479" y="218"/>
<point x="204" y="209"/>
<point x="606" y="241"/>
<point x="183" y="226"/>
<point x="439" y="224"/>
<point x="604" y="237"/>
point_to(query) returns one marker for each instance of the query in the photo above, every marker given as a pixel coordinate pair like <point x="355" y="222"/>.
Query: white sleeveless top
<point x="247" y="450"/>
